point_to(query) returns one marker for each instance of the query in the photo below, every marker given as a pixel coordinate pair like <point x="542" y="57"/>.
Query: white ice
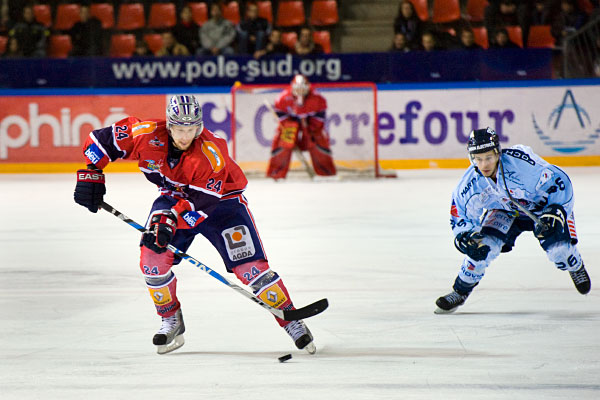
<point x="77" y="319"/>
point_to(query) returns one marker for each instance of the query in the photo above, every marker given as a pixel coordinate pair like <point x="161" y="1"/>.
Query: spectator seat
<point x="105" y="12"/>
<point x="324" y="13"/>
<point x="289" y="39"/>
<point x="476" y="10"/>
<point x="421" y="8"/>
<point x="199" y="12"/>
<point x="131" y="17"/>
<point x="154" y="41"/>
<point x="445" y="11"/>
<point x="122" y="45"/>
<point x="290" y="13"/>
<point x="540" y="36"/>
<point x="481" y="36"/>
<point x="265" y="10"/>
<point x="162" y="15"/>
<point x="43" y="14"/>
<point x="59" y="46"/>
<point x="231" y="11"/>
<point x="515" y="34"/>
<point x="3" y="43"/>
<point x="66" y="16"/>
<point x="324" y="39"/>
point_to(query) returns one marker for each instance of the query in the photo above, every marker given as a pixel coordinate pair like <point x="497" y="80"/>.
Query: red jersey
<point x="198" y="177"/>
<point x="312" y="110"/>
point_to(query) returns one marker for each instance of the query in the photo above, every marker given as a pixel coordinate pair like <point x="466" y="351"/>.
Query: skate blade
<point x="177" y="342"/>
<point x="311" y="348"/>
<point x="442" y="311"/>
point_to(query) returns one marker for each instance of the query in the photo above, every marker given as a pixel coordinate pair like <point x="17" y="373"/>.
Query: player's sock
<point x="581" y="279"/>
<point x="450" y="302"/>
<point x="301" y="336"/>
<point x="170" y="335"/>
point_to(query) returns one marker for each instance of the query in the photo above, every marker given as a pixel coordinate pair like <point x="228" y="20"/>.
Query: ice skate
<point x="581" y="279"/>
<point x="450" y="302"/>
<point x="301" y="335"/>
<point x="170" y="335"/>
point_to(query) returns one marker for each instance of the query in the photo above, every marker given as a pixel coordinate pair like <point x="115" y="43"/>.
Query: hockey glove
<point x="163" y="224"/>
<point x="469" y="243"/>
<point x="553" y="222"/>
<point x="90" y="188"/>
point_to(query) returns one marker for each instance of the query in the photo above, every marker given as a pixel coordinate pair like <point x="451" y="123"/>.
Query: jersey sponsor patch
<point x="214" y="156"/>
<point x="191" y="218"/>
<point x="143" y="127"/>
<point x="238" y="242"/>
<point x="499" y="220"/>
<point x="273" y="296"/>
<point x="161" y="296"/>
<point x="93" y="153"/>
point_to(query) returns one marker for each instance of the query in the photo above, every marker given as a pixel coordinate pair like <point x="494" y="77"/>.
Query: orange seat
<point x="290" y="13"/>
<point x="540" y="36"/>
<point x="231" y="11"/>
<point x="3" y="43"/>
<point x="476" y="9"/>
<point x="59" y="46"/>
<point x="265" y="10"/>
<point x="481" y="37"/>
<point x="199" y="12"/>
<point x="289" y="39"/>
<point x="421" y="8"/>
<point x="162" y="15"/>
<point x="154" y="41"/>
<point x="515" y="34"/>
<point x="586" y="6"/>
<point x="445" y="11"/>
<point x="105" y="13"/>
<point x="324" y="39"/>
<point x="324" y="13"/>
<point x="122" y="45"/>
<point x="66" y="16"/>
<point x="131" y="17"/>
<point x="43" y="14"/>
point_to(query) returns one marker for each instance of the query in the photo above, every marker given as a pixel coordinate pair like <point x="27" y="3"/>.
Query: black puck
<point x="284" y="358"/>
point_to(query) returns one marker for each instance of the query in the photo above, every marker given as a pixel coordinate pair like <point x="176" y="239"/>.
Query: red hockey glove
<point x="90" y="188"/>
<point x="163" y="224"/>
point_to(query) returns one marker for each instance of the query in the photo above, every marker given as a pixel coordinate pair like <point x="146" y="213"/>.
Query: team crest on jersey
<point x="214" y="156"/>
<point x="238" y="242"/>
<point x="143" y="127"/>
<point x="156" y="142"/>
<point x="154" y="165"/>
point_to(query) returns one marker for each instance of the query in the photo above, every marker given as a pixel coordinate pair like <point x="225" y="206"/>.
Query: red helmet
<point x="300" y="88"/>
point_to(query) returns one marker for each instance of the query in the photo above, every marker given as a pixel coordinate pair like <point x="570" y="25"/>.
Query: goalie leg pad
<point x="322" y="160"/>
<point x="279" y="163"/>
<point x="266" y="285"/>
<point x="565" y="256"/>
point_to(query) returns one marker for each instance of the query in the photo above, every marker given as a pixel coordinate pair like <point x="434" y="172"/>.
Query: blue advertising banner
<point x="441" y="66"/>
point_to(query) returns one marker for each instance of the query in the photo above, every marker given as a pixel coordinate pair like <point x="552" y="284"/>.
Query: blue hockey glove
<point x="553" y="220"/>
<point x="163" y="225"/>
<point x="469" y="243"/>
<point x="90" y="188"/>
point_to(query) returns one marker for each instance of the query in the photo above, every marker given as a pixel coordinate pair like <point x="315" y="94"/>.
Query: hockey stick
<point x="288" y="315"/>
<point x="296" y="150"/>
<point x="525" y="211"/>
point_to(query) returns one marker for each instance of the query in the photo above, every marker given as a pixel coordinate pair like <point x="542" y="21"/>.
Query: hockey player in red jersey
<point x="301" y="114"/>
<point x="201" y="192"/>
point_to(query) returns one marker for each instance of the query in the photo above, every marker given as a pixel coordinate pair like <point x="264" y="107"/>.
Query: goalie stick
<point x="288" y="315"/>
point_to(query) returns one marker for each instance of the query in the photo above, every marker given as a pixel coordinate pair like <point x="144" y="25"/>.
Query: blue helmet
<point x="184" y="111"/>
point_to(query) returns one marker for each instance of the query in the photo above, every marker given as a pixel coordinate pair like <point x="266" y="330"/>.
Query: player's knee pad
<point x="472" y="271"/>
<point x="163" y="291"/>
<point x="265" y="283"/>
<point x="565" y="256"/>
<point x="154" y="264"/>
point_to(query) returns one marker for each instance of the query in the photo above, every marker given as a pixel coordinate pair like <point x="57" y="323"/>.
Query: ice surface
<point x="78" y="321"/>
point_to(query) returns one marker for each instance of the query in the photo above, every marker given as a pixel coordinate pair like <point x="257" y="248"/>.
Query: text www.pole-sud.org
<point x="220" y="68"/>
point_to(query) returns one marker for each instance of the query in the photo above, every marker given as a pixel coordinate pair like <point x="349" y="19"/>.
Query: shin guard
<point x="266" y="285"/>
<point x="161" y="282"/>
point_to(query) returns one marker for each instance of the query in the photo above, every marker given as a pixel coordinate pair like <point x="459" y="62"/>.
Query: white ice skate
<point x="170" y="335"/>
<point x="301" y="335"/>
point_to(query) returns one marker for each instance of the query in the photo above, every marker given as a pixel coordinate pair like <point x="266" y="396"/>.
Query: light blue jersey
<point x="531" y="180"/>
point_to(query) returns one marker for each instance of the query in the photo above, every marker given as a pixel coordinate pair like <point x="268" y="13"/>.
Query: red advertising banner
<point x="52" y="129"/>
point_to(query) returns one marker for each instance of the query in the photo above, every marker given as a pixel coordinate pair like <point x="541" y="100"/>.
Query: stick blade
<point x="307" y="311"/>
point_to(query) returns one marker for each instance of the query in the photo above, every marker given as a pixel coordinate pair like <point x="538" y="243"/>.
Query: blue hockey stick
<point x="287" y="315"/>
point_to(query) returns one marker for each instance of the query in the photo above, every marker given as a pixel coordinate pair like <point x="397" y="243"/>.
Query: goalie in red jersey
<point x="201" y="193"/>
<point x="301" y="114"/>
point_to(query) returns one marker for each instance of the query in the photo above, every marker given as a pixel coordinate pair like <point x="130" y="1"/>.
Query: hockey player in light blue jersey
<point x="502" y="194"/>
